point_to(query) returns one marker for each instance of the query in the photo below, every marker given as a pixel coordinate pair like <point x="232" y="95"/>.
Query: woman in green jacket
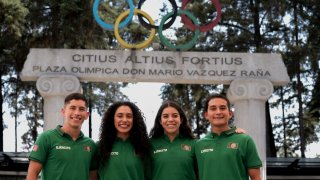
<point x="173" y="156"/>
<point x="124" y="149"/>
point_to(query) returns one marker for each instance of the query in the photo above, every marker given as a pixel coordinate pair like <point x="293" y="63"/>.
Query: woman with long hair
<point x="124" y="148"/>
<point x="172" y="142"/>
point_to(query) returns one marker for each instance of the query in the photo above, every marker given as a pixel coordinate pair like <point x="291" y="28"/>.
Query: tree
<point x="12" y="18"/>
<point x="54" y="24"/>
<point x="262" y="26"/>
<point x="298" y="55"/>
<point x="242" y="23"/>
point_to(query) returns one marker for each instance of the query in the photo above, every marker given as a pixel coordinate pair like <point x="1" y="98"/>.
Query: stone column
<point x="248" y="97"/>
<point x="54" y="88"/>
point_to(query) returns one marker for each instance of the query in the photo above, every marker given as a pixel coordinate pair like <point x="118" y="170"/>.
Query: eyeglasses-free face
<point x="170" y="121"/>
<point x="123" y="121"/>
<point x="218" y="113"/>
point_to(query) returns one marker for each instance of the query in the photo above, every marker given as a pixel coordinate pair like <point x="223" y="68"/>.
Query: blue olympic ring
<point x="110" y="27"/>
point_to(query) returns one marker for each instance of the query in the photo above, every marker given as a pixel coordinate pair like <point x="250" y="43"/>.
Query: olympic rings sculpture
<point x="187" y="17"/>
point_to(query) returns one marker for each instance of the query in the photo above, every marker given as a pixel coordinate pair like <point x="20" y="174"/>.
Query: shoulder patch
<point x="35" y="148"/>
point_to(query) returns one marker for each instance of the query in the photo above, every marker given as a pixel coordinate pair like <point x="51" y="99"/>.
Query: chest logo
<point x="114" y="153"/>
<point x="233" y="145"/>
<point x="63" y="147"/>
<point x="87" y="148"/>
<point x="185" y="147"/>
<point x="207" y="150"/>
<point x="159" y="151"/>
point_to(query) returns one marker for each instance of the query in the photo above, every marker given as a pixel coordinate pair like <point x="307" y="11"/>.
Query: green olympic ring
<point x="186" y="46"/>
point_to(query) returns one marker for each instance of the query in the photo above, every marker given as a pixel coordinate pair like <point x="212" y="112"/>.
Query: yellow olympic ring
<point x="133" y="46"/>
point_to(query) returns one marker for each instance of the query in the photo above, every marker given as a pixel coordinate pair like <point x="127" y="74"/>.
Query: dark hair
<point x="213" y="96"/>
<point x="157" y="131"/>
<point x="138" y="135"/>
<point x="75" y="96"/>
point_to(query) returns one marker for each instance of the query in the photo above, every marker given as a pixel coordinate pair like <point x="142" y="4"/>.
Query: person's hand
<point x="241" y="131"/>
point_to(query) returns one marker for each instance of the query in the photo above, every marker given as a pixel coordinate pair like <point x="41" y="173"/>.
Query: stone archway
<point x="251" y="76"/>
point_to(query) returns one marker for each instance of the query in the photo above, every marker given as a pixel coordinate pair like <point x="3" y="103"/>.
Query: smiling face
<point x="74" y="113"/>
<point x="123" y="121"/>
<point x="170" y="121"/>
<point x="218" y="113"/>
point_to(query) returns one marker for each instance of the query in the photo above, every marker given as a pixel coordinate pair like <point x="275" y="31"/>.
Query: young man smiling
<point x="64" y="152"/>
<point x="224" y="154"/>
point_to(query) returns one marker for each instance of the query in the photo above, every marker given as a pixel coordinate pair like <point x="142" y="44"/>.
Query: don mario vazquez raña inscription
<point x="155" y="66"/>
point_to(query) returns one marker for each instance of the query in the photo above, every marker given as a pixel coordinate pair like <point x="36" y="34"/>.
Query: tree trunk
<point x="1" y="118"/>
<point x="271" y="147"/>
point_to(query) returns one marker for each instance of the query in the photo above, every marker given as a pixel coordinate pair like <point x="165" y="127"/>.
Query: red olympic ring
<point x="189" y="24"/>
<point x="166" y="25"/>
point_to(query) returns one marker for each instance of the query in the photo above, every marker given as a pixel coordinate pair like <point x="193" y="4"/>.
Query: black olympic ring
<point x="166" y="25"/>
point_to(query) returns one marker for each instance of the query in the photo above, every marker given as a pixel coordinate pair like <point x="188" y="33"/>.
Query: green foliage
<point x="12" y="17"/>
